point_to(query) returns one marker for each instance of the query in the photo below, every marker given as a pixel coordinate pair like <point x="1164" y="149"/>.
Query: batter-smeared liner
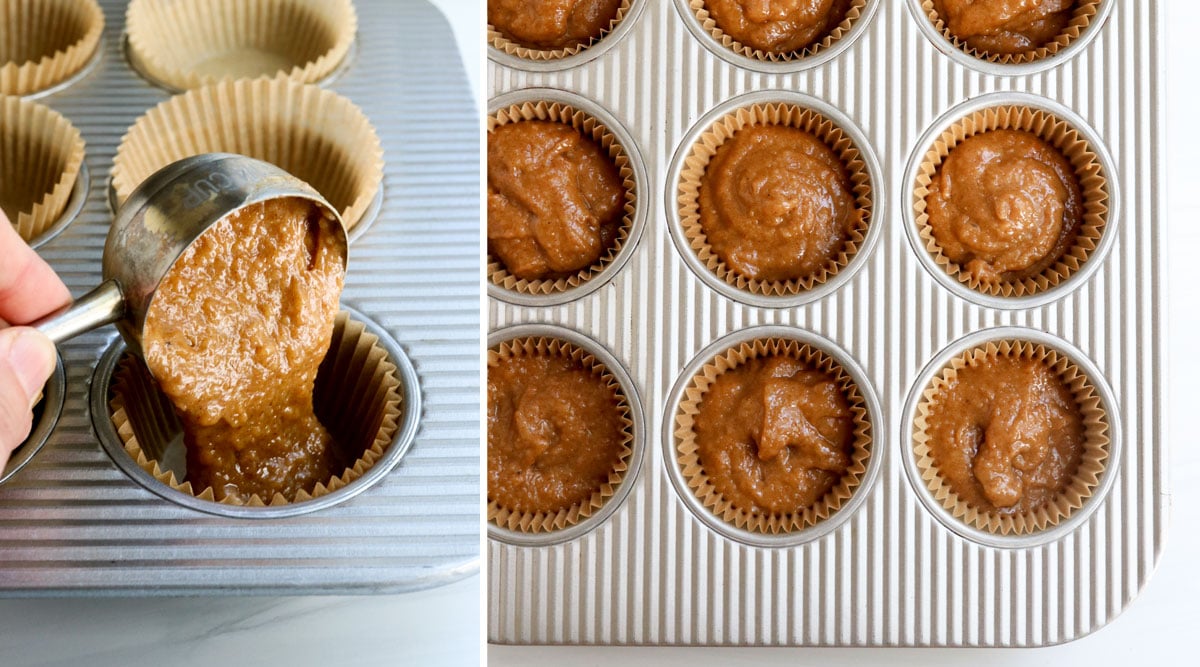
<point x="1081" y="18"/>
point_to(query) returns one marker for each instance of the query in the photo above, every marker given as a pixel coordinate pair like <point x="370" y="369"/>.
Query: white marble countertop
<point x="435" y="627"/>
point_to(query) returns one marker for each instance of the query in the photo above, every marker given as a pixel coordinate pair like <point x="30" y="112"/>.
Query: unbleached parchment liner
<point x="500" y="42"/>
<point x="357" y="397"/>
<point x="542" y="522"/>
<point x="45" y="42"/>
<point x="191" y="43"/>
<point x="1091" y="466"/>
<point x="687" y="449"/>
<point x="853" y="14"/>
<point x="1093" y="184"/>
<point x="790" y="115"/>
<point x="41" y="154"/>
<point x="589" y="127"/>
<point x="315" y="134"/>
<point x="1085" y="11"/>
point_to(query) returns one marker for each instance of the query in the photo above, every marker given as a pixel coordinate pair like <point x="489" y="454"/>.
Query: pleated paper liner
<point x="44" y="42"/>
<point x="853" y="14"/>
<point x="546" y="521"/>
<point x="1085" y="11"/>
<point x="1086" y="477"/>
<point x="357" y="397"/>
<point x="186" y="44"/>
<point x="791" y="115"/>
<point x="315" y="134"/>
<point x="589" y="127"/>
<point x="1093" y="183"/>
<point x="502" y="42"/>
<point x="687" y="449"/>
<point x="41" y="154"/>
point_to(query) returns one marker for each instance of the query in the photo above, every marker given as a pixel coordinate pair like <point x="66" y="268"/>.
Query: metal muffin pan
<point x="892" y="574"/>
<point x="72" y="522"/>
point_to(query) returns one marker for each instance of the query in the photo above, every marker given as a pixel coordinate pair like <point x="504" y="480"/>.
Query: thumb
<point x="26" y="362"/>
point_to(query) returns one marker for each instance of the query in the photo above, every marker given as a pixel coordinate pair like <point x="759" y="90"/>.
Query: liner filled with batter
<point x="1080" y="17"/>
<point x="41" y="155"/>
<point x="1059" y="134"/>
<point x="357" y="396"/>
<point x="698" y="480"/>
<point x="541" y="521"/>
<point x="186" y="44"/>
<point x="553" y="49"/>
<point x="314" y="134"/>
<point x="591" y="128"/>
<point x="817" y="37"/>
<point x="46" y="42"/>
<point x="790" y="115"/>
<point x="1086" y="475"/>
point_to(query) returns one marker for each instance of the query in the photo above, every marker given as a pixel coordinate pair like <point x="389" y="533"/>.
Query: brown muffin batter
<point x="777" y="26"/>
<point x="1005" y="205"/>
<point x="776" y="203"/>
<point x="551" y="24"/>
<point x="554" y="433"/>
<point x="1006" y="434"/>
<point x="234" y="336"/>
<point x="555" y="199"/>
<point x="1005" y="26"/>
<point x="774" y="435"/>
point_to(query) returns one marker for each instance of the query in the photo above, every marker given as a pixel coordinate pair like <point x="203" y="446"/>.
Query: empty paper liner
<point x="41" y="154"/>
<point x="317" y="135"/>
<point x="45" y="42"/>
<point x="186" y="44"/>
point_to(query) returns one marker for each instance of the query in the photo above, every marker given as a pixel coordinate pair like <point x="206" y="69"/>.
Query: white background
<point x="1163" y="625"/>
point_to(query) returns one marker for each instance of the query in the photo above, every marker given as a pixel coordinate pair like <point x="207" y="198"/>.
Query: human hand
<point x="29" y="289"/>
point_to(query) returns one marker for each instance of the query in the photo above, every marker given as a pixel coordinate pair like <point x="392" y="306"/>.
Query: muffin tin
<point x="74" y="522"/>
<point x="893" y="571"/>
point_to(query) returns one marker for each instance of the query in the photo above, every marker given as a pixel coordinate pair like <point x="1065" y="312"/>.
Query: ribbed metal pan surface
<point x="892" y="574"/>
<point x="71" y="522"/>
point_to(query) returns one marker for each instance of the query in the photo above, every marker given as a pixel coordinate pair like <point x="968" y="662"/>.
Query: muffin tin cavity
<point x="366" y="394"/>
<point x="1087" y="19"/>
<point x="47" y="44"/>
<point x="45" y="417"/>
<point x="543" y="531"/>
<point x="506" y="52"/>
<point x="824" y="121"/>
<point x="678" y="439"/>
<point x="596" y="123"/>
<point x="1092" y="481"/>
<point x="696" y="16"/>
<point x="1068" y="133"/>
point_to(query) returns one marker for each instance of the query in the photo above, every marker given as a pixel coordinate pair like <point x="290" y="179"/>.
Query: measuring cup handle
<point x="103" y="305"/>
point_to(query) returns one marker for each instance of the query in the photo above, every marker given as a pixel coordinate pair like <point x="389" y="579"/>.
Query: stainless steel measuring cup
<point x="163" y="216"/>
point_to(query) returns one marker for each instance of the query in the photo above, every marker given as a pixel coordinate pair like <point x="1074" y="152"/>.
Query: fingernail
<point x="31" y="357"/>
